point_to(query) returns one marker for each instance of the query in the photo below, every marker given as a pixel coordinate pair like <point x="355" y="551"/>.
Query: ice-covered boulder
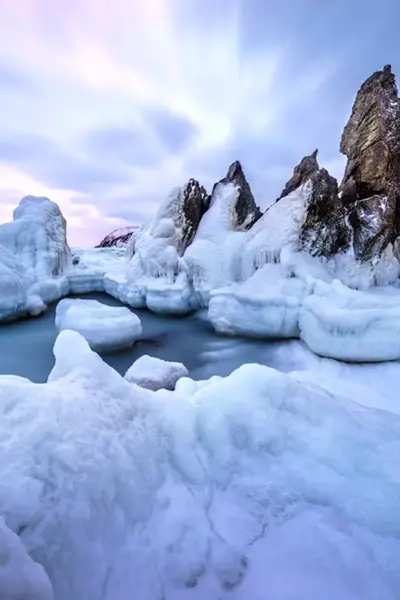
<point x="154" y="374"/>
<point x="20" y="577"/>
<point x="265" y="306"/>
<point x="104" y="327"/>
<point x="34" y="257"/>
<point x="37" y="236"/>
<point x="351" y="325"/>
<point x="155" y="270"/>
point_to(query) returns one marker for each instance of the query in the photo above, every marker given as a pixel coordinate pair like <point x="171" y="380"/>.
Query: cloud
<point x="174" y="131"/>
<point x="106" y="106"/>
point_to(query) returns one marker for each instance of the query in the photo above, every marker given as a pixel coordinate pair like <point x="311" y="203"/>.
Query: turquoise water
<point x="26" y="347"/>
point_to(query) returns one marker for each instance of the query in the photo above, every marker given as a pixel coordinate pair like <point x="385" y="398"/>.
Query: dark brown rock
<point x="246" y="212"/>
<point x="118" y="237"/>
<point x="301" y="173"/>
<point x="324" y="231"/>
<point x="371" y="183"/>
<point x="195" y="202"/>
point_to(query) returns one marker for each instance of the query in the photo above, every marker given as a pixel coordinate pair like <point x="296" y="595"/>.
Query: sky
<point x="105" y="105"/>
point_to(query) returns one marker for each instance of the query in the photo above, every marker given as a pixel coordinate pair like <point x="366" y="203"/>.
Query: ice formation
<point x="351" y="325"/>
<point x="265" y="306"/>
<point x="34" y="257"/>
<point x="104" y="327"/>
<point x="223" y="488"/>
<point x="153" y="373"/>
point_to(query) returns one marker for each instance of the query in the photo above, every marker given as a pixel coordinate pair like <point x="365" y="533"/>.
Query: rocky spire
<point x="195" y="202"/>
<point x="301" y="173"/>
<point x="371" y="183"/>
<point x="246" y="210"/>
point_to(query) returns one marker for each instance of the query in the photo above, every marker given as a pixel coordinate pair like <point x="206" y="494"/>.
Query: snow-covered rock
<point x="265" y="306"/>
<point x="20" y="577"/>
<point x="104" y="327"/>
<point x="154" y="374"/>
<point x="352" y="325"/>
<point x="34" y="257"/>
<point x="119" y="237"/>
<point x="222" y="488"/>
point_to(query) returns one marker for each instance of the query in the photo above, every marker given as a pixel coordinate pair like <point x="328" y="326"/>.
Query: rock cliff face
<point x="371" y="183"/>
<point x="245" y="211"/>
<point x="324" y="231"/>
<point x="194" y="203"/>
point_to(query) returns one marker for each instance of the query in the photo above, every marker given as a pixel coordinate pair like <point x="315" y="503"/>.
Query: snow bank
<point x="104" y="327"/>
<point x="154" y="373"/>
<point x="265" y="306"/>
<point x="20" y="577"/>
<point x="362" y="326"/>
<point x="232" y="487"/>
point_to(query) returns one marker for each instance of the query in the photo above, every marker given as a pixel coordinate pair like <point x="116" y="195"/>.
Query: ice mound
<point x="234" y="486"/>
<point x="34" y="257"/>
<point x="265" y="306"/>
<point x="104" y="327"/>
<point x="154" y="373"/>
<point x="352" y="325"/>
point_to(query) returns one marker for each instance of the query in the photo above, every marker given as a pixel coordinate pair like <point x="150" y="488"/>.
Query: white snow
<point x="153" y="373"/>
<point x="231" y="488"/>
<point x="351" y="325"/>
<point x="104" y="327"/>
<point x="20" y="577"/>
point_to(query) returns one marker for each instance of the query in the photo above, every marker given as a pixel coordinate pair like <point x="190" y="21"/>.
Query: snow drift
<point x="223" y="488"/>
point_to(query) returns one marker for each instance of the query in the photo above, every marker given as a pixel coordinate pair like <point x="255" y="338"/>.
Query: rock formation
<point x="371" y="183"/>
<point x="323" y="230"/>
<point x="301" y="173"/>
<point x="118" y="237"/>
<point x="194" y="203"/>
<point x="246" y="212"/>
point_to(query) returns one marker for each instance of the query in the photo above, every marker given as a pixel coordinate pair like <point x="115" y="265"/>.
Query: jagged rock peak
<point x="195" y="202"/>
<point x="371" y="183"/>
<point x="246" y="209"/>
<point x="372" y="134"/>
<point x="301" y="173"/>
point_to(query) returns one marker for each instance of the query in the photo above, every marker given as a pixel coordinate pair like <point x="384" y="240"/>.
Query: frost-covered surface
<point x="20" y="577"/>
<point x="104" y="327"/>
<point x="153" y="373"/>
<point x="222" y="489"/>
<point x="34" y="257"/>
<point x="87" y="274"/>
<point x="266" y="305"/>
<point x="346" y="324"/>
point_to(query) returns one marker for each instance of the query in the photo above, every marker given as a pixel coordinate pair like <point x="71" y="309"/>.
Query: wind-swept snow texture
<point x="153" y="373"/>
<point x="33" y="257"/>
<point x="104" y="327"/>
<point x="234" y="487"/>
<point x="20" y="577"/>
